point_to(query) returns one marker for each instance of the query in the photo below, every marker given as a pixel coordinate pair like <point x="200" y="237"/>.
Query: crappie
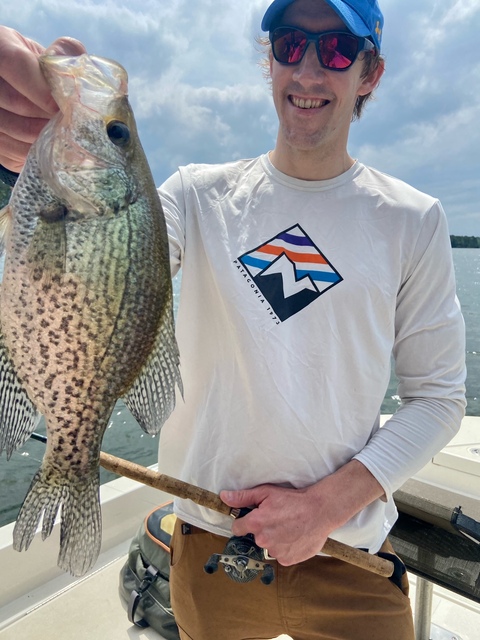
<point x="86" y="308"/>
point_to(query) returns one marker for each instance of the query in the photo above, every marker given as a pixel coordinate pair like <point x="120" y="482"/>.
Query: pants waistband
<point x="188" y="529"/>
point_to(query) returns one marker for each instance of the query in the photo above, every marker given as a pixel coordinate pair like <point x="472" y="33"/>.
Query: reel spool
<point x="242" y="561"/>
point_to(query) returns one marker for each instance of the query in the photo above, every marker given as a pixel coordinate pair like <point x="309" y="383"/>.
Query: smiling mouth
<point x="308" y="103"/>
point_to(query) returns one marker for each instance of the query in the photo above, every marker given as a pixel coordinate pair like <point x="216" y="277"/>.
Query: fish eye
<point x="118" y="132"/>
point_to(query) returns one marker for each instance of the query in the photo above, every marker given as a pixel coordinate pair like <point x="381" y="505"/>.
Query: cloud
<point x="461" y="11"/>
<point x="423" y="127"/>
<point x="199" y="95"/>
<point x="202" y="124"/>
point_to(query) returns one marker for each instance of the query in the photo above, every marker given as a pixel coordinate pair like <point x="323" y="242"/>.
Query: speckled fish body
<point x="86" y="300"/>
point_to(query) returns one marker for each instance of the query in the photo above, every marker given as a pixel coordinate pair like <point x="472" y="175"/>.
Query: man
<point x="302" y="272"/>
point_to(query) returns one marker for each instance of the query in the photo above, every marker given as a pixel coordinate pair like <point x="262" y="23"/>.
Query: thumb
<point x="66" y="47"/>
<point x="243" y="498"/>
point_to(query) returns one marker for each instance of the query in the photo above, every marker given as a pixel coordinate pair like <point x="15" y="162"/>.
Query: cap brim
<point x="272" y="12"/>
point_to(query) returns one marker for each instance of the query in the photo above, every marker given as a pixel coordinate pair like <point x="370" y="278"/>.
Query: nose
<point x="309" y="65"/>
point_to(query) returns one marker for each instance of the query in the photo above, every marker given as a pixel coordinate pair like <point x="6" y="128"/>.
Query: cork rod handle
<point x="213" y="501"/>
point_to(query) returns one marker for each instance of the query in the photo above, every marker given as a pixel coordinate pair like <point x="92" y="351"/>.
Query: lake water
<point x="125" y="439"/>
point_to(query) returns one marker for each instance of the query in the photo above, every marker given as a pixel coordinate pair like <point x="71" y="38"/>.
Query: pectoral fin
<point x="47" y="251"/>
<point x="5" y="227"/>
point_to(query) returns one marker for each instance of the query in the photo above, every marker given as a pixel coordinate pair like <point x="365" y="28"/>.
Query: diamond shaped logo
<point x="290" y="271"/>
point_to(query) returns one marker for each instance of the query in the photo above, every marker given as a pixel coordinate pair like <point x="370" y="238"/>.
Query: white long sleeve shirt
<point x="294" y="296"/>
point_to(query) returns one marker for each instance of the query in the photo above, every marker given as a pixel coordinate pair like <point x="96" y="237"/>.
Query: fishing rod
<point x="245" y="565"/>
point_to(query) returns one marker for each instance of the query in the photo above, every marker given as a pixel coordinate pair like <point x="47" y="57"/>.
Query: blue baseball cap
<point x="362" y="17"/>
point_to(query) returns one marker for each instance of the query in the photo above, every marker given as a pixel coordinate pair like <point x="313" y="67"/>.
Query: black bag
<point x="144" y="579"/>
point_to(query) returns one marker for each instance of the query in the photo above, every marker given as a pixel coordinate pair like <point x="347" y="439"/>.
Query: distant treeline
<point x="465" y="242"/>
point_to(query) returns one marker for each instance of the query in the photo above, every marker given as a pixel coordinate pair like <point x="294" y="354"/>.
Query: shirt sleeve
<point x="429" y="354"/>
<point x="172" y="197"/>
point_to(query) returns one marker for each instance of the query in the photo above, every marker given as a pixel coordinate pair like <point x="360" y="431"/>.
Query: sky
<point x="198" y="93"/>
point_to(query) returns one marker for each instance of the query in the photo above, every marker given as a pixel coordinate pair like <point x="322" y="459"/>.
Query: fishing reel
<point x="243" y="560"/>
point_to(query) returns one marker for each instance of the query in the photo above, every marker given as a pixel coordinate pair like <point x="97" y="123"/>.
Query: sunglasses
<point x="336" y="50"/>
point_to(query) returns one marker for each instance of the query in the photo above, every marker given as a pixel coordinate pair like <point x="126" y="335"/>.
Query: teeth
<point x="307" y="104"/>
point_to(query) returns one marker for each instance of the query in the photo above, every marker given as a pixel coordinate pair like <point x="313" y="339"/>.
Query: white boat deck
<point x="40" y="602"/>
<point x="90" y="608"/>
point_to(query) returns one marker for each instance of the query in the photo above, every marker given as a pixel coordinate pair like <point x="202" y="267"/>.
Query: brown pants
<point x="320" y="599"/>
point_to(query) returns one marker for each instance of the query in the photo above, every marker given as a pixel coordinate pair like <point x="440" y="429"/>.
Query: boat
<point x="38" y="601"/>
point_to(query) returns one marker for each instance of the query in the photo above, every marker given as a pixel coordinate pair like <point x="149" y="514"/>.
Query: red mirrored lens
<point x="289" y="46"/>
<point x="338" y="50"/>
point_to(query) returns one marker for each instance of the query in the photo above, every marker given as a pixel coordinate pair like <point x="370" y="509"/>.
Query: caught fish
<point x="86" y="309"/>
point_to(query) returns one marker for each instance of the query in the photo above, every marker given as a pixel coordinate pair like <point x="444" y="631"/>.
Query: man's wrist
<point x="351" y="488"/>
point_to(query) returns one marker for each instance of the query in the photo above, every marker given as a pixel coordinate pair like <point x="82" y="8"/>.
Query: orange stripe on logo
<point x="294" y="257"/>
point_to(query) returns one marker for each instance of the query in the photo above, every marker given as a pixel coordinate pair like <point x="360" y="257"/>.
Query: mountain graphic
<point x="290" y="271"/>
<point x="291" y="286"/>
<point x="271" y="286"/>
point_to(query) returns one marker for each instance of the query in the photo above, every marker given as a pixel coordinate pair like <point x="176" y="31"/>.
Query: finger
<point x="13" y="153"/>
<point x="20" y="69"/>
<point x="65" y="46"/>
<point x="245" y="524"/>
<point x="243" y="498"/>
<point x="13" y="101"/>
<point x="20" y="128"/>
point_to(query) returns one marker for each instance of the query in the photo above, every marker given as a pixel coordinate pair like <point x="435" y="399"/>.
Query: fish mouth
<point x="308" y="103"/>
<point x="85" y="76"/>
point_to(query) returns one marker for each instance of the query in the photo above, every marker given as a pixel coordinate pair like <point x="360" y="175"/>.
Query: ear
<point x="370" y="82"/>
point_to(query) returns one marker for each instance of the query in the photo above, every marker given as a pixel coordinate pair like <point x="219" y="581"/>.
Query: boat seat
<point x="437" y="535"/>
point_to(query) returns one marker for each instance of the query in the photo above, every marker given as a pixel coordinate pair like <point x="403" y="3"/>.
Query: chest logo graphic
<point x="290" y="271"/>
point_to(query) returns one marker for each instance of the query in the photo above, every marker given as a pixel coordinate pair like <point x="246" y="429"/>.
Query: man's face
<point x="315" y="105"/>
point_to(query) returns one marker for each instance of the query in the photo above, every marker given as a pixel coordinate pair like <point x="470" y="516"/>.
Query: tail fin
<point x="81" y="525"/>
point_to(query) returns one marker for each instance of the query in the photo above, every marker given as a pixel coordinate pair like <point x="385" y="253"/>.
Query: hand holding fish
<point x="26" y="102"/>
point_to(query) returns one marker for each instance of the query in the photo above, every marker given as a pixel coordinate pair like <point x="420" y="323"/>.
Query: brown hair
<point x="372" y="60"/>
